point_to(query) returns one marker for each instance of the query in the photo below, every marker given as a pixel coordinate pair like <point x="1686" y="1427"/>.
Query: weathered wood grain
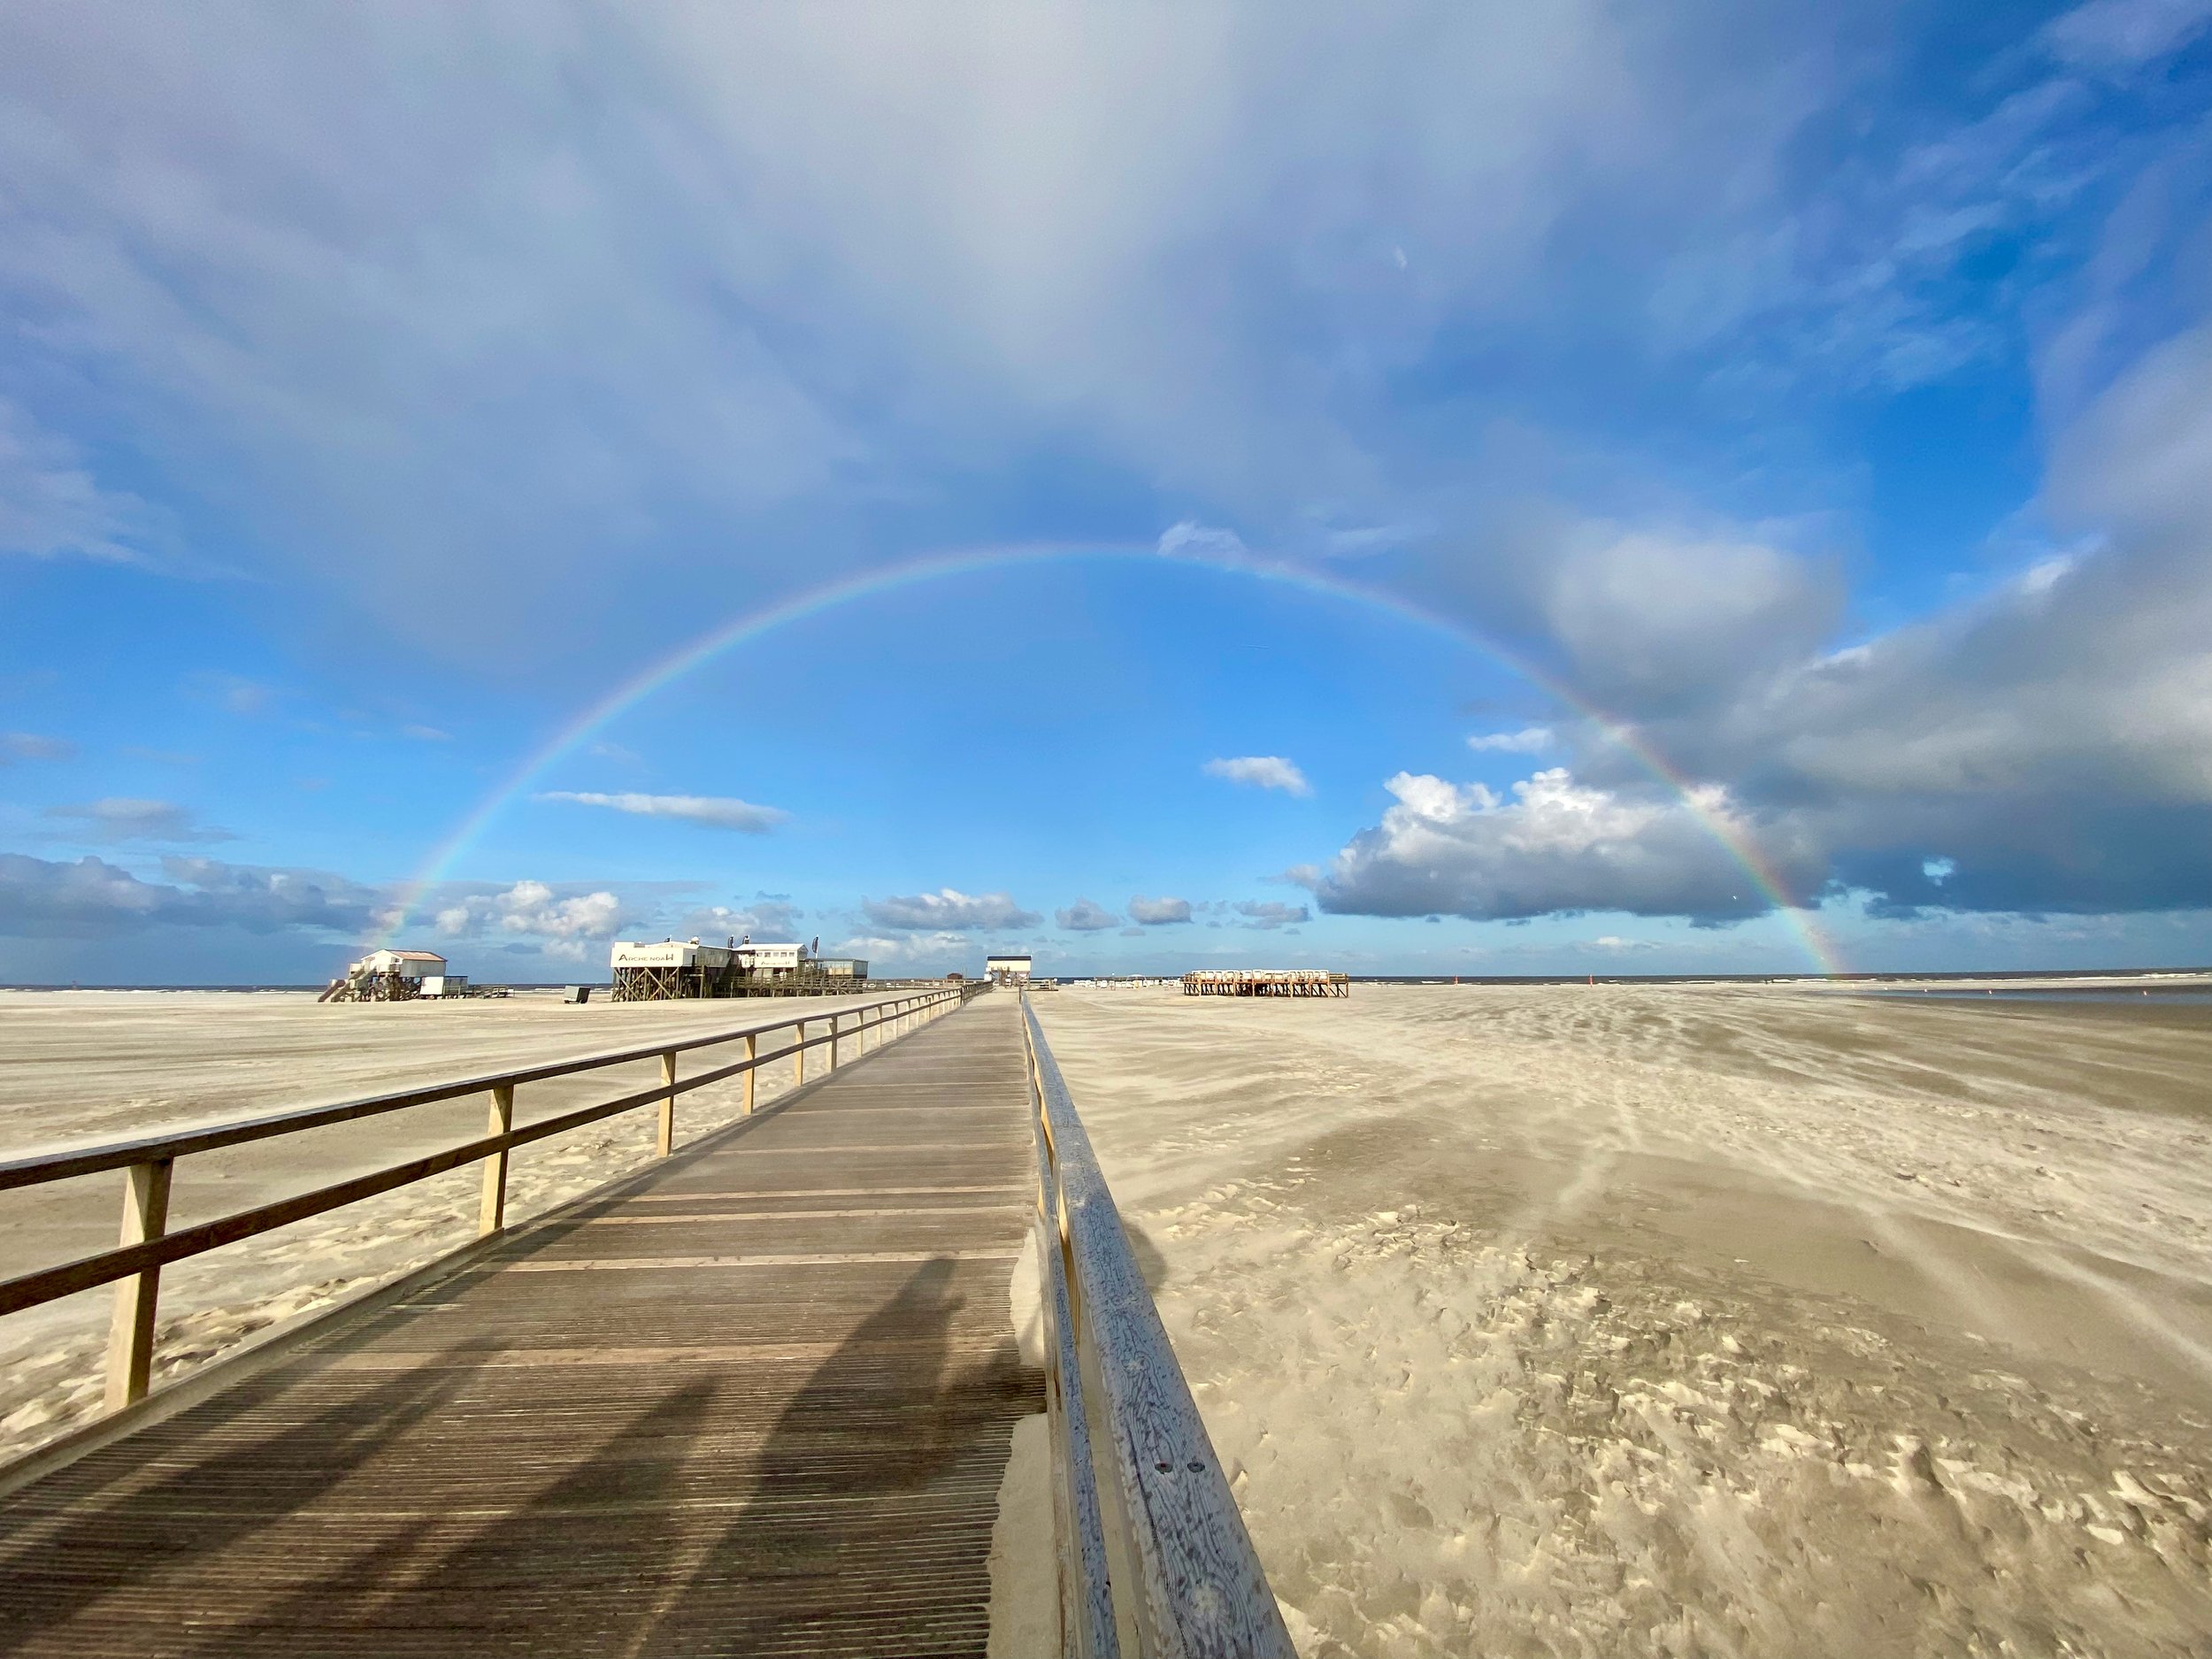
<point x="797" y="1453"/>
<point x="1199" y="1591"/>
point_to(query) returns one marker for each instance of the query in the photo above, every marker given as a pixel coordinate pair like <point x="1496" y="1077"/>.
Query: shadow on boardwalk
<point x="868" y="1526"/>
<point x="131" y="1532"/>
<point x="862" y="1527"/>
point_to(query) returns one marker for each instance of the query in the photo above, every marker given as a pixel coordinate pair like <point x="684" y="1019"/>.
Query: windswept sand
<point x="1685" y="1320"/>
<point x="87" y="1066"/>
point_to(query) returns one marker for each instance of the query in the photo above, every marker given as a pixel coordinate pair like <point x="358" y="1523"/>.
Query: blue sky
<point x="1467" y="489"/>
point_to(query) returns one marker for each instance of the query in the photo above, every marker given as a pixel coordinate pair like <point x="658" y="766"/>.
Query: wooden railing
<point x="148" y="1162"/>
<point x="1154" y="1556"/>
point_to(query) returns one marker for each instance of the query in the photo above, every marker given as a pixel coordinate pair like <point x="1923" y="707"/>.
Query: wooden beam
<point x="491" y="1214"/>
<point x="131" y="1337"/>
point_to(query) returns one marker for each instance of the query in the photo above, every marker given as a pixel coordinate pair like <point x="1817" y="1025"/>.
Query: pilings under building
<point x="1267" y="982"/>
<point x="396" y="976"/>
<point x="680" y="970"/>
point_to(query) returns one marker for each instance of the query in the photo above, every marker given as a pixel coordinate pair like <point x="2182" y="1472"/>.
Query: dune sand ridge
<point x="87" y="1066"/>
<point x="1684" y="1320"/>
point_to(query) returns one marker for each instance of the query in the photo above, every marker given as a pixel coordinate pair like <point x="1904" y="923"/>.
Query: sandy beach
<point x="86" y="1066"/>
<point x="1685" y="1320"/>
<point x="1554" y="1320"/>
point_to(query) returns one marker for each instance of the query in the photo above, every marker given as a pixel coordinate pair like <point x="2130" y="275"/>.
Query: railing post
<point x="798" y="1058"/>
<point x="836" y="1054"/>
<point x="491" y="1214"/>
<point x="668" y="1104"/>
<point x="131" y="1338"/>
<point x="752" y="1053"/>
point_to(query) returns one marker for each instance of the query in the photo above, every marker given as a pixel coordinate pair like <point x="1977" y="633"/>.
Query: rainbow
<point x="938" y="566"/>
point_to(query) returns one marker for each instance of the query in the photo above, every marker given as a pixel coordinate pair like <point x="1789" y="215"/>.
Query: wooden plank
<point x="131" y="1336"/>
<point x="821" y="1258"/>
<point x="792" y="1215"/>
<point x="809" y="1192"/>
<point x="527" y="1458"/>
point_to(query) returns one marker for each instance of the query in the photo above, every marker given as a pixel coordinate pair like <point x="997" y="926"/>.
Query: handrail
<point x="34" y="1168"/>
<point x="1155" y="1559"/>
<point x="149" y="1161"/>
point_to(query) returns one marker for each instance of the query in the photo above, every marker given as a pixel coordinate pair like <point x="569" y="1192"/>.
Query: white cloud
<point x="50" y="504"/>
<point x="1530" y="739"/>
<point x="1271" y="913"/>
<point x="125" y="819"/>
<point x="426" y="733"/>
<point x="16" y="746"/>
<point x="1556" y="846"/>
<point x="533" y="910"/>
<point x="1262" y="771"/>
<point x="234" y="694"/>
<point x="1202" y="543"/>
<point x="714" y="812"/>
<point x="92" y="898"/>
<point x="1083" y="917"/>
<point x="2123" y="33"/>
<point x="948" y="910"/>
<point x="395" y="288"/>
<point x="911" y="949"/>
<point x="1160" y="912"/>
<point x="766" y="920"/>
<point x="1653" y="620"/>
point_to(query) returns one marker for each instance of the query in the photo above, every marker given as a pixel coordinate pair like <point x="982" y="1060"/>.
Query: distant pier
<point x="1267" y="982"/>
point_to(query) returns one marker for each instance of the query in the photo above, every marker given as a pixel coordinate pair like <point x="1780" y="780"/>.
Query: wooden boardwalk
<point x="755" y="1401"/>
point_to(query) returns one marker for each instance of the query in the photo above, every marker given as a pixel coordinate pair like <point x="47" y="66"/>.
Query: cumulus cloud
<point x="948" y="910"/>
<point x="1271" y="913"/>
<point x="766" y="919"/>
<point x="16" y="746"/>
<point x="125" y="819"/>
<point x="93" y="898"/>
<point x="562" y="925"/>
<point x="2052" y="737"/>
<point x="1261" y="772"/>
<point x="1461" y="849"/>
<point x="714" y="812"/>
<point x="1530" y="739"/>
<point x="1202" y="543"/>
<point x="1160" y="912"/>
<point x="1083" y="917"/>
<point x="910" y="949"/>
<point x="2051" y="734"/>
